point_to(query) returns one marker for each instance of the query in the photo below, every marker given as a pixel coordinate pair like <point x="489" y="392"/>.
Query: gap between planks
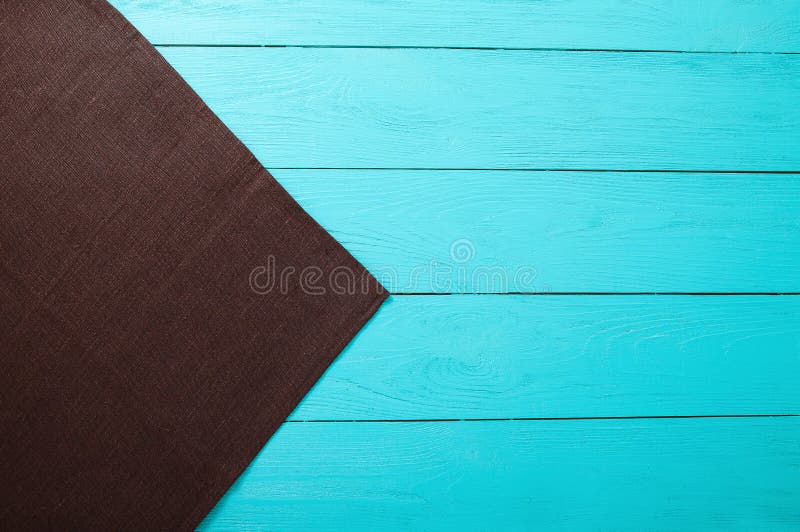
<point x="486" y="48"/>
<point x="588" y="418"/>
<point x="534" y="170"/>
<point x="595" y="293"/>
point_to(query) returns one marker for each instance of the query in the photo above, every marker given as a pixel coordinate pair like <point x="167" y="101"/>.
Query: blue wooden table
<point x="588" y="213"/>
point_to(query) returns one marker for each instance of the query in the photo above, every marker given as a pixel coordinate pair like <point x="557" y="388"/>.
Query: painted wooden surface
<point x="508" y="134"/>
<point x="401" y="108"/>
<point x="562" y="231"/>
<point x="429" y="357"/>
<point x="717" y="474"/>
<point x="699" y="25"/>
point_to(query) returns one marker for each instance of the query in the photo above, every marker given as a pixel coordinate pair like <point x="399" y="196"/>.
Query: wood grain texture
<point x="562" y="231"/>
<point x="708" y="25"/>
<point x="379" y="108"/>
<point x="717" y="474"/>
<point x="476" y="357"/>
<point x="431" y="357"/>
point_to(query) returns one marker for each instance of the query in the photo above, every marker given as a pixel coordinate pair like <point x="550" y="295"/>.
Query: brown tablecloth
<point x="148" y="345"/>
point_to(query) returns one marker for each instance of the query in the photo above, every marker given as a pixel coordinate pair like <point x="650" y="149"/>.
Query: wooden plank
<point x="713" y="25"/>
<point x="401" y="108"/>
<point x="695" y="474"/>
<point x="433" y="357"/>
<point x="562" y="231"/>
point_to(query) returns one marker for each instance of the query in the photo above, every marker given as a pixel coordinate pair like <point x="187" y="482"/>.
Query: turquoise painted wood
<point x="689" y="474"/>
<point x="495" y="86"/>
<point x="389" y="108"/>
<point x="425" y="357"/>
<point x="707" y="25"/>
<point x="562" y="231"/>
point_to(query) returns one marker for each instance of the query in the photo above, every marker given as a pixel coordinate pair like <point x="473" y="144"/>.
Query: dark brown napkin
<point x="164" y="303"/>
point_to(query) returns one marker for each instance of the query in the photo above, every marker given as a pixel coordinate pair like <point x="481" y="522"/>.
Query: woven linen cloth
<point x="148" y="347"/>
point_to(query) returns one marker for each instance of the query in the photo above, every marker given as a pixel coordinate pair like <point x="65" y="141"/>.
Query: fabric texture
<point x="164" y="303"/>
